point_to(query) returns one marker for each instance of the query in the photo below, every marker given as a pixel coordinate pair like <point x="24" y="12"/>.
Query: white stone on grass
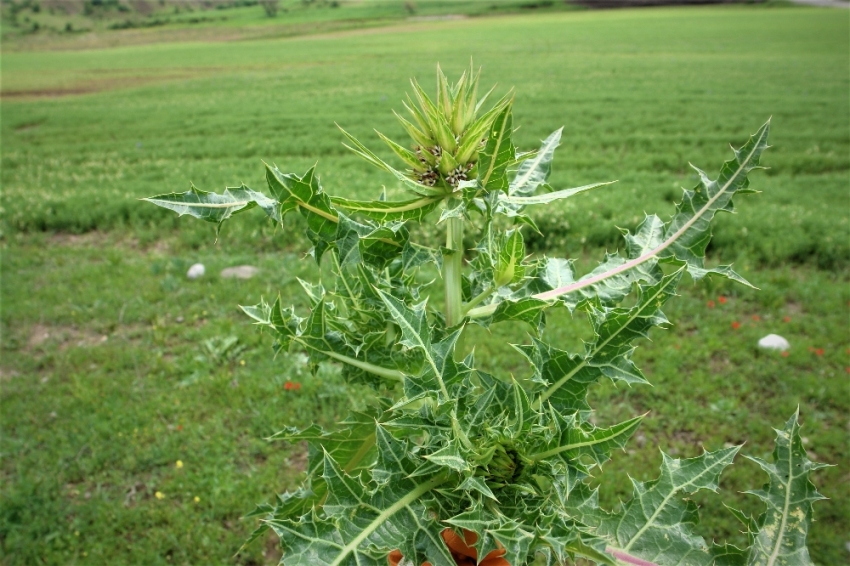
<point x="774" y="342"/>
<point x="196" y="271"/>
<point x="239" y="272"/>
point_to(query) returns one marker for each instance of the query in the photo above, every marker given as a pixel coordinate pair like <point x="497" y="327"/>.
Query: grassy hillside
<point x="81" y="24"/>
<point x="115" y="368"/>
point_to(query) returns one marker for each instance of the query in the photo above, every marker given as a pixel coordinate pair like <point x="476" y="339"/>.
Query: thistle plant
<point x="502" y="461"/>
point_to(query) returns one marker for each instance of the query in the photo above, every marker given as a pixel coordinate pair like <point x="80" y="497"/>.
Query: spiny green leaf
<point x="690" y="229"/>
<point x="528" y="310"/>
<point x="282" y="321"/>
<point x="616" y="329"/>
<point x="570" y="372"/>
<point x="450" y="457"/>
<point x="535" y="171"/>
<point x="352" y="445"/>
<point x="322" y="339"/>
<point x="373" y="244"/>
<point x="212" y="207"/>
<point x="547" y="198"/>
<point x="384" y="211"/>
<point x="315" y="293"/>
<point x="551" y="273"/>
<point x="572" y="441"/>
<point x="393" y="518"/>
<point x="411" y="320"/>
<point x="415" y="255"/>
<point x="514" y="539"/>
<point x="655" y="525"/>
<point x="475" y="483"/>
<point x="778" y="536"/>
<point x="508" y="267"/>
<point x="344" y="491"/>
<point x="260" y="312"/>
<point x="441" y="372"/>
<point x="305" y="194"/>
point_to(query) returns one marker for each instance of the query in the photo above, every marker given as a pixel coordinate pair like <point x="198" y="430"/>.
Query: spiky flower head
<point x="447" y="134"/>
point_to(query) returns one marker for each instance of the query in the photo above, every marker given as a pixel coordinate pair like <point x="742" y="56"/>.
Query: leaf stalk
<point x="386" y="373"/>
<point x="478" y="298"/>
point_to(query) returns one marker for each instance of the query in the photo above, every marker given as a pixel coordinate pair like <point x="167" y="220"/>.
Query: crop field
<point x="134" y="403"/>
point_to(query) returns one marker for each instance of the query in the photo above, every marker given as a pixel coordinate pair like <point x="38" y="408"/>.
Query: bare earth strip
<point x="824" y="3"/>
<point x="123" y="38"/>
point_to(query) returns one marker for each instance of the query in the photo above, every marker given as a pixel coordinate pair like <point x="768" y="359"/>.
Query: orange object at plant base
<point x="462" y="551"/>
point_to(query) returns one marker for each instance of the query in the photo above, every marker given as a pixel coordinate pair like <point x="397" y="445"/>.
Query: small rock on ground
<point x="239" y="272"/>
<point x="774" y="342"/>
<point x="196" y="271"/>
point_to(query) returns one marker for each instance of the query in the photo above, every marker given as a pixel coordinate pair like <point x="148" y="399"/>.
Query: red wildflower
<point x="784" y="353"/>
<point x="290" y="386"/>
<point x="179" y="427"/>
<point x="786" y="319"/>
<point x="848" y="369"/>
<point x="756" y="317"/>
<point x="297" y="386"/>
<point x="819" y="352"/>
<point x="710" y="304"/>
<point x="736" y="325"/>
<point x="721" y="299"/>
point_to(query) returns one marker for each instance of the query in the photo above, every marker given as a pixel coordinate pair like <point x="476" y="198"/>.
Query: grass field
<point x="115" y="367"/>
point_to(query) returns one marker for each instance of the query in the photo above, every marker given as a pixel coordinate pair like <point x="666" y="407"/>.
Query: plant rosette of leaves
<point x="498" y="462"/>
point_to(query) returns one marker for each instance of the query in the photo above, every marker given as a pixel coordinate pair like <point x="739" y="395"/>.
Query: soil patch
<point x="63" y="336"/>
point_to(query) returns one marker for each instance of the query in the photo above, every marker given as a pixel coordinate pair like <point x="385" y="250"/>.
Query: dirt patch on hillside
<point x="8" y="374"/>
<point x="381" y="28"/>
<point x="47" y="92"/>
<point x="112" y="240"/>
<point x="91" y="239"/>
<point x="63" y="337"/>
<point x="92" y="85"/>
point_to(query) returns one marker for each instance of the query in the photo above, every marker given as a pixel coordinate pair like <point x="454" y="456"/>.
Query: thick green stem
<point x="452" y="266"/>
<point x="452" y="269"/>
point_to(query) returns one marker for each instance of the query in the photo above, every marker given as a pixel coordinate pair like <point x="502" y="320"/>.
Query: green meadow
<point x="134" y="403"/>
